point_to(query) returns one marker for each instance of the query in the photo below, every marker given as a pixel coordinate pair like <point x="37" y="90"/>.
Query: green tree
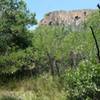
<point x="15" y="38"/>
<point x="14" y="20"/>
<point x="94" y="23"/>
<point x="47" y="44"/>
<point x="53" y="45"/>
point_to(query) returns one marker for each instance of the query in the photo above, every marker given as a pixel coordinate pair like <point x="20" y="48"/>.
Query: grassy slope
<point x="41" y="88"/>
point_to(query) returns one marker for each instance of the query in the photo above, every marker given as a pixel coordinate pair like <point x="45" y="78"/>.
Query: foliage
<point x="16" y="61"/>
<point x="55" y="48"/>
<point x="13" y="26"/>
<point x="54" y="44"/>
<point x="83" y="83"/>
<point x="8" y="98"/>
<point x="94" y="21"/>
<point x="15" y="38"/>
<point x="47" y="44"/>
<point x="42" y="87"/>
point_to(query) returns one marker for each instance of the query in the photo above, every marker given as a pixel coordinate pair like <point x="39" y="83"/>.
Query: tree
<point x="52" y="46"/>
<point x="48" y="50"/>
<point x="15" y="38"/>
<point x="94" y="23"/>
<point x="15" y="18"/>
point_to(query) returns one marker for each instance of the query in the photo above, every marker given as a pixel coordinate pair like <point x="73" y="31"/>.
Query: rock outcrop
<point x="65" y="17"/>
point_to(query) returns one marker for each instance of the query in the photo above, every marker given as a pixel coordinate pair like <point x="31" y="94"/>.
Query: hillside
<point x="57" y="60"/>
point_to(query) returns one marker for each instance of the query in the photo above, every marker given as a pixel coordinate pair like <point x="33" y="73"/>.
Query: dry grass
<point x="41" y="88"/>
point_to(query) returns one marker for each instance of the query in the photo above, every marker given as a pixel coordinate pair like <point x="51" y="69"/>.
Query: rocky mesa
<point x="65" y="17"/>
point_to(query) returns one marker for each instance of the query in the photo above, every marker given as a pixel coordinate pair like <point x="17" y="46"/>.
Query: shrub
<point x="16" y="60"/>
<point x="83" y="83"/>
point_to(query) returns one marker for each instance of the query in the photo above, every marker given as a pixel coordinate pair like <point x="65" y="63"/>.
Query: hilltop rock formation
<point x="65" y="17"/>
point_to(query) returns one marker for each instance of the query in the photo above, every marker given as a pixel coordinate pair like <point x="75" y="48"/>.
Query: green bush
<point x="83" y="83"/>
<point x="16" y="60"/>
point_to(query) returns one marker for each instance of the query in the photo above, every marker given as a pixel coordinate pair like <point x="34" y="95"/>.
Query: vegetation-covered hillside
<point x="52" y="62"/>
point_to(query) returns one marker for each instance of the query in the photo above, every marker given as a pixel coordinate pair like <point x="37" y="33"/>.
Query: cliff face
<point x="65" y="17"/>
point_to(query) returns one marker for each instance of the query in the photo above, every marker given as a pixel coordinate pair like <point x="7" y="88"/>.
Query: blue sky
<point x="40" y="7"/>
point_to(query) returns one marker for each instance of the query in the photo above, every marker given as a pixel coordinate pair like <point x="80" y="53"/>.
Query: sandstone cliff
<point x="65" y="17"/>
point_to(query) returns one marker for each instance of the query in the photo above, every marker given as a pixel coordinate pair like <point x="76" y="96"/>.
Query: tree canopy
<point x="16" y="18"/>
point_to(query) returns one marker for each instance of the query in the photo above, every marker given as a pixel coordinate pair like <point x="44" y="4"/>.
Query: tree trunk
<point x="51" y="64"/>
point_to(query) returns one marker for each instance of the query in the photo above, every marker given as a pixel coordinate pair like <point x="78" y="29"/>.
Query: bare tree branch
<point x="96" y="43"/>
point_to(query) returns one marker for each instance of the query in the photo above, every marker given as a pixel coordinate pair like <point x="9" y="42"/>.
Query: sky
<point x="41" y="7"/>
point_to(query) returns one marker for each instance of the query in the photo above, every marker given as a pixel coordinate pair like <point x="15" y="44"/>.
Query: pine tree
<point x="14" y="19"/>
